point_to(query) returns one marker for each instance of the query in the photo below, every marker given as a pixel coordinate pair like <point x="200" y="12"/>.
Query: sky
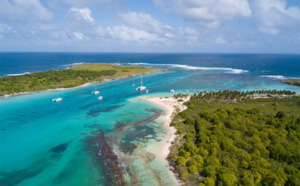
<point x="186" y="26"/>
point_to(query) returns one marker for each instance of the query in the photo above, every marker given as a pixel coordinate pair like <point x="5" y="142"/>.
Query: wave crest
<point x="188" y="67"/>
<point x="274" y="76"/>
<point x="18" y="74"/>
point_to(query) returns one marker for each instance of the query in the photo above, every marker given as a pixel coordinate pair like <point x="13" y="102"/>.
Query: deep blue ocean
<point x="78" y="141"/>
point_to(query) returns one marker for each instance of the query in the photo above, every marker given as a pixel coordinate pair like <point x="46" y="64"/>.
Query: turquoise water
<point x="48" y="143"/>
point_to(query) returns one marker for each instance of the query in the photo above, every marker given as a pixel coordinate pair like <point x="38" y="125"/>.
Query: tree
<point x="181" y="161"/>
<point x="227" y="179"/>
<point x="189" y="121"/>
<point x="209" y="181"/>
<point x="193" y="169"/>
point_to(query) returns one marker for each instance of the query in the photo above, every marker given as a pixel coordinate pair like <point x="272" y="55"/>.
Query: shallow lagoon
<point x="46" y="143"/>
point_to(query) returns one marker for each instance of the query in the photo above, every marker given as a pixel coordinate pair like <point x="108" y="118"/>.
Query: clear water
<point x="47" y="143"/>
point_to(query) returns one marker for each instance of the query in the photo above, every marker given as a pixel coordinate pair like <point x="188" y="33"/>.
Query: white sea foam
<point x="18" y="74"/>
<point x="274" y="76"/>
<point x="80" y="63"/>
<point x="140" y="64"/>
<point x="188" y="67"/>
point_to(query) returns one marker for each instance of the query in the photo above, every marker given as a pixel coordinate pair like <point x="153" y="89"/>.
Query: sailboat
<point x="95" y="92"/>
<point x="57" y="99"/>
<point x="141" y="87"/>
<point x="133" y="84"/>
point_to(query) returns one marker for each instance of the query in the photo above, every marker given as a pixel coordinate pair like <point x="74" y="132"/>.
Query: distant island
<point x="293" y="81"/>
<point x="76" y="75"/>
<point x="238" y="138"/>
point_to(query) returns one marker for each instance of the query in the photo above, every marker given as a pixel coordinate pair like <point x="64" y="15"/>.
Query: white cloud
<point x="4" y="28"/>
<point x="143" y="22"/>
<point x="220" y="40"/>
<point x="79" y="36"/>
<point x="274" y="14"/>
<point x="24" y="10"/>
<point x="82" y="13"/>
<point x="208" y="13"/>
<point x="131" y="34"/>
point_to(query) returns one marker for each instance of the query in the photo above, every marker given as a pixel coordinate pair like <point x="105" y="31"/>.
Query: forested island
<point x="230" y="138"/>
<point x="67" y="78"/>
<point x="293" y="81"/>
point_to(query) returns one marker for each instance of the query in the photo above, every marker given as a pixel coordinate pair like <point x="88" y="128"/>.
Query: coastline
<point x="86" y="84"/>
<point x="171" y="107"/>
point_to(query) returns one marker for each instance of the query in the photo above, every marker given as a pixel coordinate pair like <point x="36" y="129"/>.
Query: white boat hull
<point x="57" y="99"/>
<point x="141" y="88"/>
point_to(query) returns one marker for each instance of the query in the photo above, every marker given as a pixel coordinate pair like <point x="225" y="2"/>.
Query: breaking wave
<point x="188" y="67"/>
<point x="274" y="76"/>
<point x="18" y="74"/>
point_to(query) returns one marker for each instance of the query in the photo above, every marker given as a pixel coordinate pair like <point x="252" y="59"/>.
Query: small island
<point x="237" y="138"/>
<point x="293" y="81"/>
<point x="76" y="75"/>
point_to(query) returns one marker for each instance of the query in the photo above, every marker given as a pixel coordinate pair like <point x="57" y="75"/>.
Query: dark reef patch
<point x="104" y="156"/>
<point x="139" y="133"/>
<point x="60" y="148"/>
<point x="17" y="176"/>
<point x="127" y="147"/>
<point x="89" y="105"/>
<point x="97" y="111"/>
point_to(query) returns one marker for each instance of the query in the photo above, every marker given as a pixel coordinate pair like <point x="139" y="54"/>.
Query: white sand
<point x="170" y="105"/>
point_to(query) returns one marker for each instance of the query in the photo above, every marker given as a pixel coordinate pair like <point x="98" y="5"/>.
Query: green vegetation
<point x="75" y="76"/>
<point x="226" y="138"/>
<point x="295" y="82"/>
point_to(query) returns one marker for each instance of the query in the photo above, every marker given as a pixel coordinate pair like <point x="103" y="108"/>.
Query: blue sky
<point x="201" y="26"/>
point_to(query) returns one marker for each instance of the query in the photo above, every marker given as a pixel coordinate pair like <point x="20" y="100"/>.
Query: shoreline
<point x="84" y="85"/>
<point x="171" y="107"/>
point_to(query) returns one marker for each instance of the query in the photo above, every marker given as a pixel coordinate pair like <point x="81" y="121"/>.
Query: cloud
<point x="132" y="35"/>
<point x="24" y="10"/>
<point x="4" y="28"/>
<point x="143" y="22"/>
<point x="274" y="15"/>
<point x="141" y="28"/>
<point x="79" y="35"/>
<point x="209" y="13"/>
<point x="81" y="14"/>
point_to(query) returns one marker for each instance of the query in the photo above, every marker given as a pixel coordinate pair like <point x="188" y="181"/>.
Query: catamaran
<point x="95" y="92"/>
<point x="141" y="87"/>
<point x="57" y="99"/>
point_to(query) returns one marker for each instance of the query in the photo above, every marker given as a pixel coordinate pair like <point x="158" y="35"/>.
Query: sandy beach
<point x="171" y="106"/>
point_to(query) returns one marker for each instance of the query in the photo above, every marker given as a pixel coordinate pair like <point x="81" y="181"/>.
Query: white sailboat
<point x="147" y="91"/>
<point x="141" y="87"/>
<point x="133" y="84"/>
<point x="172" y="91"/>
<point x="96" y="92"/>
<point x="100" y="98"/>
<point x="57" y="99"/>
